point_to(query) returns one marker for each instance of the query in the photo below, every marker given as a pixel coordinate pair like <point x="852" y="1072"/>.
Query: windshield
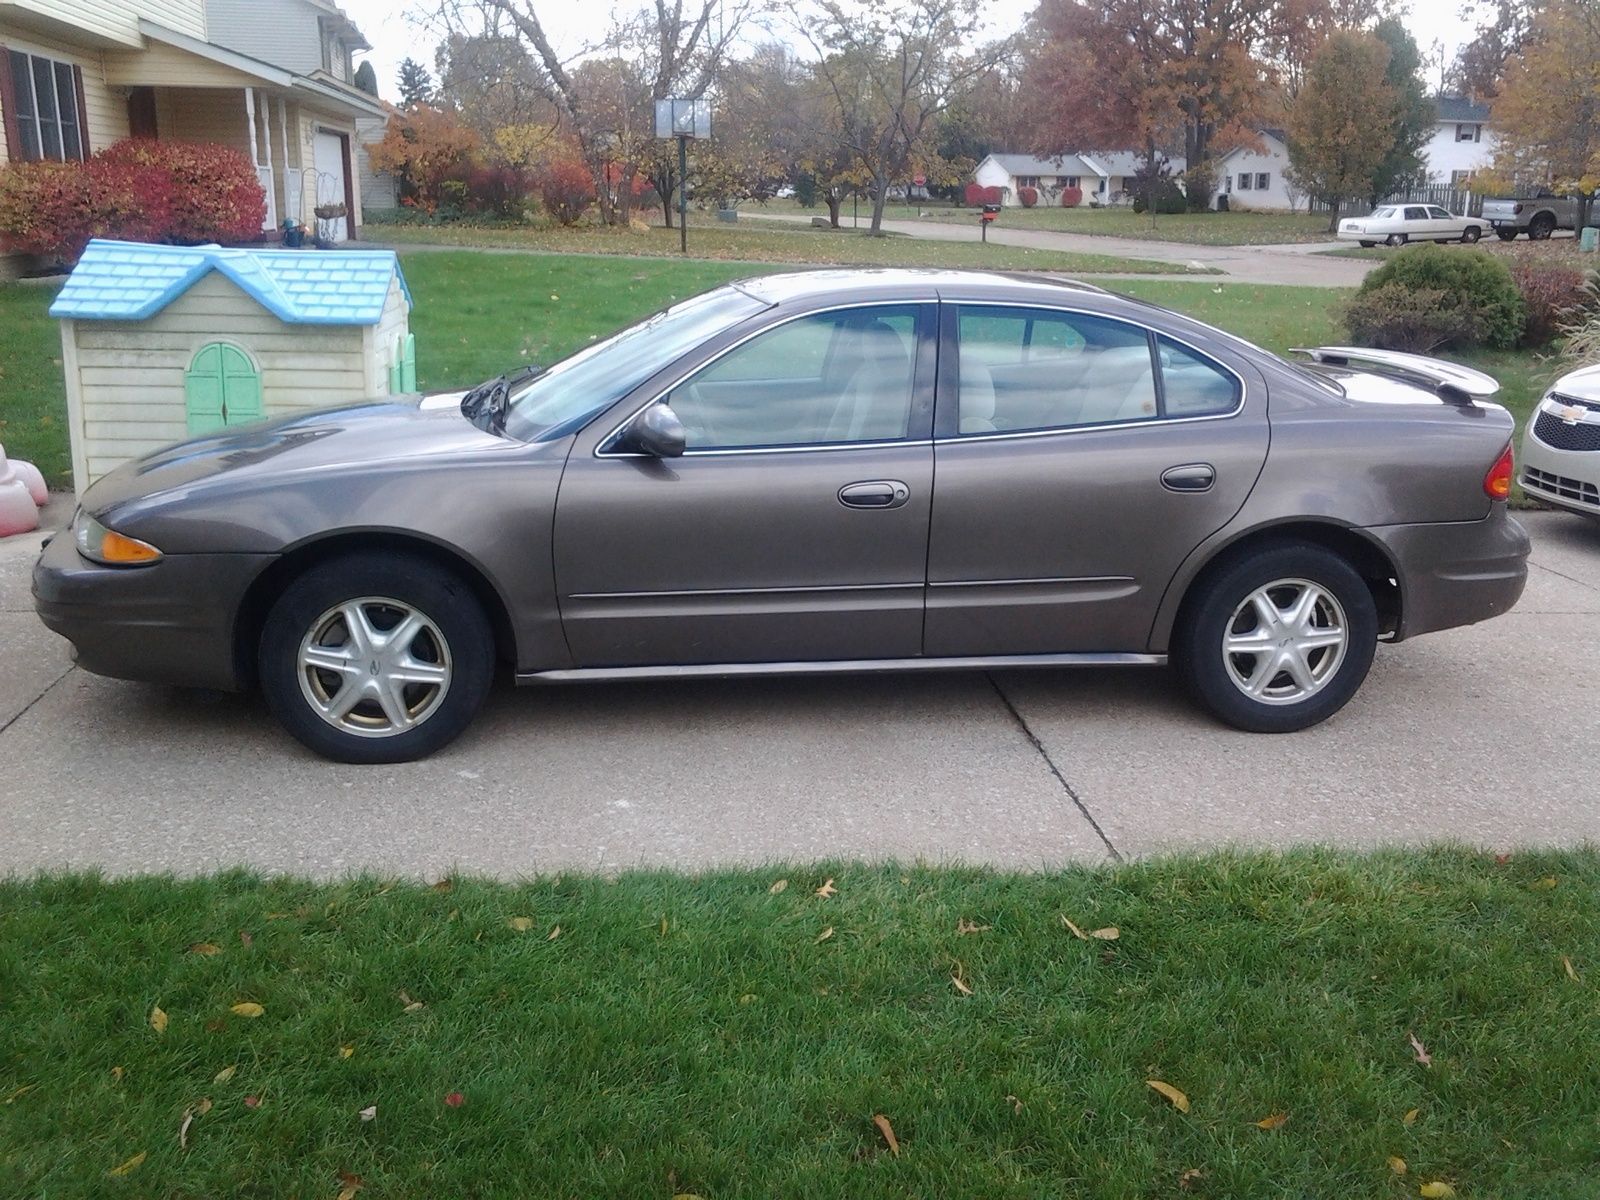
<point x="563" y="398"/>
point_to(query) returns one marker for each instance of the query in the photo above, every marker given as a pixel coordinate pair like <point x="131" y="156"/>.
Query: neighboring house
<point x="76" y="76"/>
<point x="379" y="189"/>
<point x="1253" y="176"/>
<point x="1462" y="142"/>
<point x="1103" y="178"/>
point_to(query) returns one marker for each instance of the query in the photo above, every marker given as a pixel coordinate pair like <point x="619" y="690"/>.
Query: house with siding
<point x="78" y="75"/>
<point x="1103" y="178"/>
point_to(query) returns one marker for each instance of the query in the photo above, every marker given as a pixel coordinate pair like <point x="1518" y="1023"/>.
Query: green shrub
<point x="1169" y="198"/>
<point x="1396" y="316"/>
<point x="1472" y="287"/>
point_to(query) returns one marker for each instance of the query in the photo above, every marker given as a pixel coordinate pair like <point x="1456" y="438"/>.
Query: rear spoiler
<point x="1451" y="383"/>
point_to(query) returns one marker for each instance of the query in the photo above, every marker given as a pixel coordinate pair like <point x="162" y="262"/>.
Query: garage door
<point x="328" y="158"/>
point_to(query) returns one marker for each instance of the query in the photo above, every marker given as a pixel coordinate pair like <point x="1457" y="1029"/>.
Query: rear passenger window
<point x="1194" y="386"/>
<point x="1023" y="369"/>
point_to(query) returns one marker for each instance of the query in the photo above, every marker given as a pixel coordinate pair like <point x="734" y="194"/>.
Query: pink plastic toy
<point x="22" y="491"/>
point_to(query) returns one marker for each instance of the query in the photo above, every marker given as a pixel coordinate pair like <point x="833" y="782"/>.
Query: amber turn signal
<point x="111" y="548"/>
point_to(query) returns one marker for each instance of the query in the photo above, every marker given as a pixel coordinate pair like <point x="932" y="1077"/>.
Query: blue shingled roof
<point x="130" y="281"/>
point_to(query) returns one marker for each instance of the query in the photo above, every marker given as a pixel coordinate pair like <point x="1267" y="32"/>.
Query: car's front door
<point x="794" y="527"/>
<point x="1079" y="459"/>
<point x="1419" y="225"/>
<point x="1444" y="226"/>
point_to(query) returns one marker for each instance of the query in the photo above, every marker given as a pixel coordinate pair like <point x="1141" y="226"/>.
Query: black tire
<point x="1395" y="239"/>
<point x="1471" y="234"/>
<point x="467" y="654"/>
<point x="1541" y="227"/>
<point x="1368" y="245"/>
<point x="1210" y="611"/>
<point x="1506" y="235"/>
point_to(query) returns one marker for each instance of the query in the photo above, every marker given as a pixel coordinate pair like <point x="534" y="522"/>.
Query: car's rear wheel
<point x="1506" y="235"/>
<point x="1395" y="239"/>
<point x="1541" y="227"/>
<point x="1279" y="639"/>
<point x="371" y="658"/>
<point x="1471" y="234"/>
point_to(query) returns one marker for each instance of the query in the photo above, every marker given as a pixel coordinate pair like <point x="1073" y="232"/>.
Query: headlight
<point x="102" y="545"/>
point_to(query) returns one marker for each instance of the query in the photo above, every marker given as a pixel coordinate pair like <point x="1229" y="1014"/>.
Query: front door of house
<point x="328" y="156"/>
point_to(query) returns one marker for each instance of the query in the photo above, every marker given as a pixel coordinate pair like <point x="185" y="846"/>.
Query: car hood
<point x="357" y="437"/>
<point x="1582" y="384"/>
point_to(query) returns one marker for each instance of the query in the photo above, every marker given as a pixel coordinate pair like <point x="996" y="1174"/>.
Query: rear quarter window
<point x="1193" y="385"/>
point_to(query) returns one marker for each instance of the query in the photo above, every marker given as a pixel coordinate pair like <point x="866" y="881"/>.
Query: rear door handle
<point x="1189" y="477"/>
<point x="874" y="493"/>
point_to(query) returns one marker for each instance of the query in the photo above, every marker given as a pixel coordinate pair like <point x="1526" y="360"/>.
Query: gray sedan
<point x="818" y="472"/>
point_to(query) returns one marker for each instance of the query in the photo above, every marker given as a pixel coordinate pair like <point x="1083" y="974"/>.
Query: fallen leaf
<point x="346" y="1051"/>
<point x="1109" y="934"/>
<point x="1420" y="1050"/>
<point x="206" y="949"/>
<point x="1571" y="973"/>
<point x="225" y="1074"/>
<point x="1276" y="1121"/>
<point x="1016" y="1105"/>
<point x="131" y="1165"/>
<point x="183" y="1129"/>
<point x="1397" y="1164"/>
<point x="959" y="983"/>
<point x="203" y="1107"/>
<point x="453" y="915"/>
<point x="554" y="934"/>
<point x="882" y="1122"/>
<point x="663" y="926"/>
<point x="520" y="924"/>
<point x="351" y="1184"/>
<point x="28" y="1087"/>
<point x="777" y="887"/>
<point x="966" y="926"/>
<point x="826" y="890"/>
<point x="1501" y="860"/>
<point x="748" y="998"/>
<point x="1189" y="1177"/>
<point x="1179" y="1100"/>
<point x="1411" y="1116"/>
<point x="158" y="1019"/>
<point x="444" y="886"/>
<point x="1076" y="932"/>
<point x="116" y="1073"/>
<point x="1538" y="885"/>
<point x="369" y="1113"/>
<point x="252" y="1101"/>
<point x="825" y="935"/>
<point x="216" y="1026"/>
<point x="455" y="1100"/>
<point x="247" y="1008"/>
<point x="414" y="1006"/>
<point x="347" y="1193"/>
<point x="1437" y="1190"/>
<point x="246" y="939"/>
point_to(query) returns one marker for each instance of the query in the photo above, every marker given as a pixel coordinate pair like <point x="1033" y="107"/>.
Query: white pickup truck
<point x="1537" y="216"/>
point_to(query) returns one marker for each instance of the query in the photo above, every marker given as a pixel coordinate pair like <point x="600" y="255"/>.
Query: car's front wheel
<point x="1368" y="245"/>
<point x="1471" y="234"/>
<point x="376" y="658"/>
<point x="1395" y="239"/>
<point x="1279" y="639"/>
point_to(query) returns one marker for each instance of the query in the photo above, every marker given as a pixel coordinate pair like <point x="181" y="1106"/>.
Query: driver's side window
<point x="827" y="378"/>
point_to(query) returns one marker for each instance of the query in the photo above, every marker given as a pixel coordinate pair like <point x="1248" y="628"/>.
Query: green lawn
<point x="766" y="242"/>
<point x="1207" y="228"/>
<point x="659" y="1035"/>
<point x="479" y="313"/>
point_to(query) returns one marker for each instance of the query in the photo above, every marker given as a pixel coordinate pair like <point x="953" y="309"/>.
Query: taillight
<point x="1516" y="208"/>
<point x="1497" y="483"/>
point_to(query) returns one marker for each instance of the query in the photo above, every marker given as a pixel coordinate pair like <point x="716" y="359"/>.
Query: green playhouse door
<point x="222" y="387"/>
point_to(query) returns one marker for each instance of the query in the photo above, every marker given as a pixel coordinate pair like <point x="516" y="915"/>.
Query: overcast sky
<point x="395" y="34"/>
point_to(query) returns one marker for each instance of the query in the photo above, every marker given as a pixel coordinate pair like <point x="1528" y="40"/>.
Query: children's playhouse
<point x="161" y="343"/>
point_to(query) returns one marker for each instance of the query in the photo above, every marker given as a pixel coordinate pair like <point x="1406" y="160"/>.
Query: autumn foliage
<point x="137" y="190"/>
<point x="1071" y="197"/>
<point x="566" y="189"/>
<point x="425" y="149"/>
<point x="1029" y="196"/>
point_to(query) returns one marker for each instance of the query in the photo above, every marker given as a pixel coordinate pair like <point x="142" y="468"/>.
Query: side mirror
<point x="658" y="432"/>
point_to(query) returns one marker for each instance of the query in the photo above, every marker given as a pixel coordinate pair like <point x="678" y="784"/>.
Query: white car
<point x="1561" y="449"/>
<point x="1397" y="224"/>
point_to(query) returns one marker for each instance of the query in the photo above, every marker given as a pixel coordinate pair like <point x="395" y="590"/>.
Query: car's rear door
<point x="795" y="525"/>
<point x="1079" y="459"/>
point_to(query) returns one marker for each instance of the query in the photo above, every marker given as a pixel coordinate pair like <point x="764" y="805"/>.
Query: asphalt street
<point x="1487" y="735"/>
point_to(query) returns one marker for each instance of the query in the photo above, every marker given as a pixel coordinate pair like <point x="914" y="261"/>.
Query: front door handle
<point x="874" y="493"/>
<point x="1190" y="477"/>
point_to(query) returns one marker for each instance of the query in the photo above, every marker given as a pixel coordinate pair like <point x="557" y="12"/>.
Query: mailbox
<point x="989" y="213"/>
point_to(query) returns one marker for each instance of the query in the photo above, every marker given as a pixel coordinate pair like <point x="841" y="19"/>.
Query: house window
<point x="43" y="96"/>
<point x="1244" y="181"/>
<point x="1028" y="181"/>
<point x="1072" y="181"/>
<point x="1227" y="184"/>
<point x="1263" y="181"/>
<point x="1468" y="133"/>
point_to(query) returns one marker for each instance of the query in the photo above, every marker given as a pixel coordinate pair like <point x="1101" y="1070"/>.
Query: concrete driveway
<point x="1488" y="734"/>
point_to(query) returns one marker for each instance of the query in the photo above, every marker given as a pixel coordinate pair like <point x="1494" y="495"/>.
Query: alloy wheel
<point x="374" y="667"/>
<point x="1285" y="641"/>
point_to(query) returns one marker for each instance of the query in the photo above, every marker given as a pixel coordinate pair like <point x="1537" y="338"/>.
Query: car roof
<point x="806" y="286"/>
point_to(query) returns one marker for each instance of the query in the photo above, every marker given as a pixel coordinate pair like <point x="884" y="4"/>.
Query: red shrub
<point x="1550" y="294"/>
<point x="498" y="191"/>
<point x="566" y="189"/>
<point x="1029" y="196"/>
<point x="974" y="195"/>
<point x="993" y="195"/>
<point x="1071" y="197"/>
<point x="137" y="191"/>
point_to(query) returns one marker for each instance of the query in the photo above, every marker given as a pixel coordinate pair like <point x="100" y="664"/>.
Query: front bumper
<point x="1456" y="573"/>
<point x="171" y="622"/>
<point x="1567" y="479"/>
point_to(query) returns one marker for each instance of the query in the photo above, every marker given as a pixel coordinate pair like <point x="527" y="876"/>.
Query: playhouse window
<point x="43" y="94"/>
<point x="222" y="387"/>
